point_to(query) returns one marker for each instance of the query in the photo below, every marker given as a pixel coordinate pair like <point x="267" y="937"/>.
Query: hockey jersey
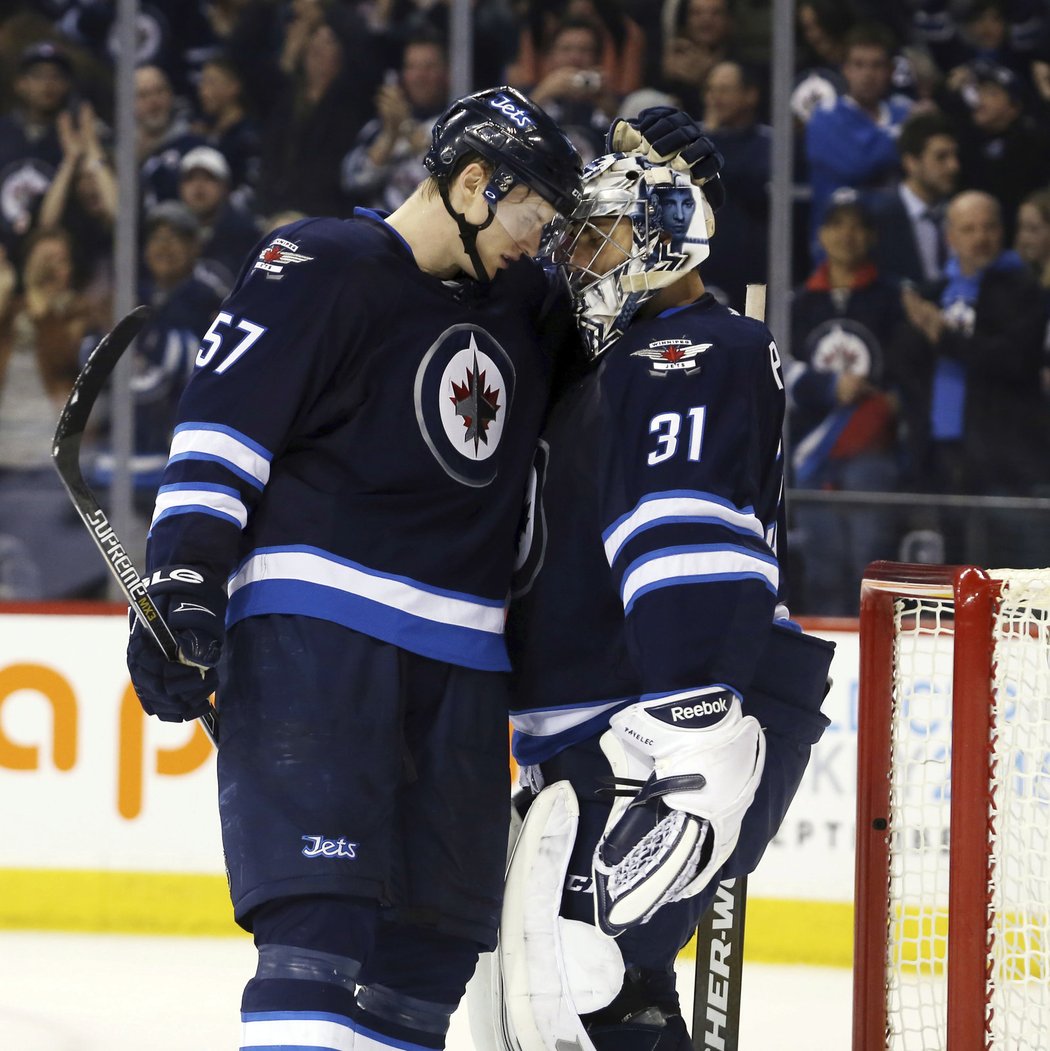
<point x="648" y="558"/>
<point x="356" y="437"/>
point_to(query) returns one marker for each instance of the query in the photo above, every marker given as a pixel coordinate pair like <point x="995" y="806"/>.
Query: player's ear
<point x="470" y="185"/>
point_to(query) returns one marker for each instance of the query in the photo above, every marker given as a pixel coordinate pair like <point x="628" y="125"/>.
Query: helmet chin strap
<point x="468" y="232"/>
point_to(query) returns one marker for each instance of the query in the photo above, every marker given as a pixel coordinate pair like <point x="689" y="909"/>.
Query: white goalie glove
<point x="695" y="761"/>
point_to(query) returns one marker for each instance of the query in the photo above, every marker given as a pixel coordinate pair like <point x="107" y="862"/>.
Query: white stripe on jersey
<point x="399" y="593"/>
<point x="543" y="722"/>
<point x="663" y="508"/>
<point x="202" y="497"/>
<point x="208" y="441"/>
<point x="696" y="565"/>
<point x="309" y="1030"/>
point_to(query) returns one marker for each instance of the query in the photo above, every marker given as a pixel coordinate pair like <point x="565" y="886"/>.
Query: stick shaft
<point x="720" y="933"/>
<point x="65" y="452"/>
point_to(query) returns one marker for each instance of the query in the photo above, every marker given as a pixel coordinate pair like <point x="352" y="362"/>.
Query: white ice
<point x="73" y="992"/>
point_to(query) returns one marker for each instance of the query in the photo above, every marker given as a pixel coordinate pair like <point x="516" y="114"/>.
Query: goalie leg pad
<point x="550" y="969"/>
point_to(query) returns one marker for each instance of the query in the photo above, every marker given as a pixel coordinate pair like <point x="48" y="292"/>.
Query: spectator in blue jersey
<point x="663" y="705"/>
<point x="843" y="420"/>
<point x="732" y="97"/>
<point x="227" y="231"/>
<point x="335" y="531"/>
<point x="386" y="163"/>
<point x="910" y="216"/>
<point x="853" y="143"/>
<point x="163" y="135"/>
<point x="968" y="361"/>
<point x="30" y="151"/>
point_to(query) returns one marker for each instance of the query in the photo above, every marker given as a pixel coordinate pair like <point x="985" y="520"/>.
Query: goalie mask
<point x="640" y="227"/>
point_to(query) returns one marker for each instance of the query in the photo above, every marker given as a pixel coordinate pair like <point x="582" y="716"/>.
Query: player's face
<point x="600" y="245"/>
<point x="516" y="229"/>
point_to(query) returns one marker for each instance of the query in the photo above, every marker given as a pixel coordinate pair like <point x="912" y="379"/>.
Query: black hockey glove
<point x="194" y="607"/>
<point x="665" y="134"/>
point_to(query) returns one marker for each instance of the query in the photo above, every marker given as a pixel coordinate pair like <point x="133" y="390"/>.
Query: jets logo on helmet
<point x="515" y="113"/>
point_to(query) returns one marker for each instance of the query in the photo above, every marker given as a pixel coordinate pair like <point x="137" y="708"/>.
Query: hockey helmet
<point x="523" y="144"/>
<point x="639" y="228"/>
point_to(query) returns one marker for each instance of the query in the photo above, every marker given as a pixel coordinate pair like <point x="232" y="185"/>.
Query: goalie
<point x="665" y="706"/>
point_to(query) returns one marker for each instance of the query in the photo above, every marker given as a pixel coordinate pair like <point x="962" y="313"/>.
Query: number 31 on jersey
<point x="668" y="426"/>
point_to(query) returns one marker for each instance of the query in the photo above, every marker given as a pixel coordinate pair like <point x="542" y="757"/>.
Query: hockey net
<point x="952" y="929"/>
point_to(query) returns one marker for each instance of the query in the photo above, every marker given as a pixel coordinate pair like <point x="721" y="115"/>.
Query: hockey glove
<point x="668" y="135"/>
<point x="194" y="607"/>
<point x="697" y="760"/>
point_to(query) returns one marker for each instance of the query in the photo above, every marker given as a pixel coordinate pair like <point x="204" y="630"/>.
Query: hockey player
<point x="664" y="705"/>
<point x="342" y="493"/>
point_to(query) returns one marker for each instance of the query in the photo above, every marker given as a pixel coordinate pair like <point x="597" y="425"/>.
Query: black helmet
<point x="521" y="141"/>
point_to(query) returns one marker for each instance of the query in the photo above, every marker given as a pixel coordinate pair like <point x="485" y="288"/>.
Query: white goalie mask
<point x="639" y="228"/>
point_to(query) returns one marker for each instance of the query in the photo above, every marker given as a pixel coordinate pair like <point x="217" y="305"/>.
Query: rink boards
<point x="109" y="818"/>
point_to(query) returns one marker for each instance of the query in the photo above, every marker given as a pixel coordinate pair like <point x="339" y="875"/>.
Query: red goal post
<point x="952" y="939"/>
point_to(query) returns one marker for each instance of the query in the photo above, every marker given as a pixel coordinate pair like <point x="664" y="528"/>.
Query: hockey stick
<point x="720" y="933"/>
<point x="65" y="452"/>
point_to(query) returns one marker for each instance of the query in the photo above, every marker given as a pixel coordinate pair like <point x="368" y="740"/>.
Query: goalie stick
<point x="65" y="452"/>
<point x="720" y="933"/>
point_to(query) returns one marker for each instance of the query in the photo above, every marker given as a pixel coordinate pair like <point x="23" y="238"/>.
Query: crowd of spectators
<point x="917" y="349"/>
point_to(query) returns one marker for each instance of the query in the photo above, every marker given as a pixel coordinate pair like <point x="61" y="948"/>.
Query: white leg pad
<point x="550" y="970"/>
<point x="482" y="1009"/>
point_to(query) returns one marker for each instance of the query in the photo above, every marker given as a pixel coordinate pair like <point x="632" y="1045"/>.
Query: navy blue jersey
<point x="355" y="440"/>
<point x="649" y="561"/>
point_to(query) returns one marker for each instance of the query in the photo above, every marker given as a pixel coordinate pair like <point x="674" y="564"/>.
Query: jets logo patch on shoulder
<point x="277" y="255"/>
<point x="667" y="356"/>
<point x="463" y="392"/>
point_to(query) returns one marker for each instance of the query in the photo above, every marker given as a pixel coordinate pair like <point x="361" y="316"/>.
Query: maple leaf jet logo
<point x="278" y="254"/>
<point x="476" y="403"/>
<point x="667" y="356"/>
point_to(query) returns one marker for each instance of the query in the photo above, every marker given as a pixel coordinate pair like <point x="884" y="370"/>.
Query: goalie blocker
<point x="557" y="969"/>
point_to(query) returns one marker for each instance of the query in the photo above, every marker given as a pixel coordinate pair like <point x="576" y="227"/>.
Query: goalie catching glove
<point x="665" y="135"/>
<point x="194" y="607"/>
<point x="695" y="761"/>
